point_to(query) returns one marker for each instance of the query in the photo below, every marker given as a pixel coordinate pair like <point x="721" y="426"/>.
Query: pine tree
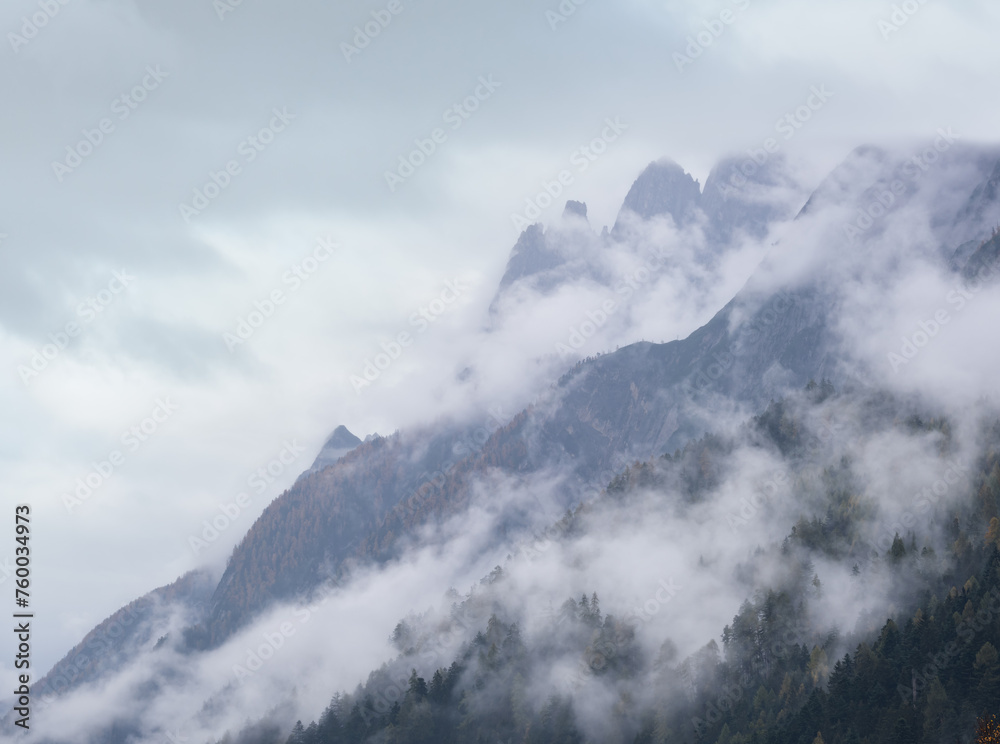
<point x="987" y="667"/>
<point x="418" y="687"/>
<point x="437" y="691"/>
<point x="298" y="735"/>
<point x="898" y="550"/>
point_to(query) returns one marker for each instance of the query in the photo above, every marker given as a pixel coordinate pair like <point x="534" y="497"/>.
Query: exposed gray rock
<point x="662" y="189"/>
<point x="336" y="446"/>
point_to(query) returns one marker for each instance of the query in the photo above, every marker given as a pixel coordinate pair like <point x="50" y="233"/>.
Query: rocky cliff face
<point x="732" y="205"/>
<point x="361" y="500"/>
<point x="340" y="442"/>
<point x="635" y="403"/>
<point x="663" y="189"/>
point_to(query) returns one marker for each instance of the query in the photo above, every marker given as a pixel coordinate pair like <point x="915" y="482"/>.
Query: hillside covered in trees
<point x="929" y="673"/>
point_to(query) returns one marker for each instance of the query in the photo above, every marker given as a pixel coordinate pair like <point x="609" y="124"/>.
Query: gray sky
<point x="67" y="229"/>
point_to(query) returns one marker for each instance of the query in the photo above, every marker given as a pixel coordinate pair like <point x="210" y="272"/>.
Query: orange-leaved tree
<point x="988" y="730"/>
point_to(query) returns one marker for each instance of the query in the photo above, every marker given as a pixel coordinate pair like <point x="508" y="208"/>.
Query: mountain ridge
<point x="634" y="403"/>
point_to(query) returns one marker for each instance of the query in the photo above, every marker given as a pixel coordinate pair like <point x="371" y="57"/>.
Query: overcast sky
<point x="180" y="88"/>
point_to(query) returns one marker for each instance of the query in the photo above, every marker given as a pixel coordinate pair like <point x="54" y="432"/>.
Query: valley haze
<point x="570" y="371"/>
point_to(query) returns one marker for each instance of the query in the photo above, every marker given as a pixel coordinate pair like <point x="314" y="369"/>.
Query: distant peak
<point x="530" y="255"/>
<point x="665" y="163"/>
<point x="341" y="438"/>
<point x="575" y="209"/>
<point x="663" y="188"/>
<point x="337" y="445"/>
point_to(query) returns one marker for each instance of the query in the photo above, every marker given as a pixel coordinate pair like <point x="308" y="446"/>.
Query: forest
<point x="929" y="674"/>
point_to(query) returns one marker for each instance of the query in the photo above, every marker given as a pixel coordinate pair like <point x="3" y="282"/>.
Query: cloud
<point x="325" y="175"/>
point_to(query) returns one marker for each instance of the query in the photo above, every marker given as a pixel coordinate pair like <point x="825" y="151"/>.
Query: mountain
<point x="638" y="402"/>
<point x="984" y="261"/>
<point x="784" y="672"/>
<point x="736" y="198"/>
<point x="530" y="257"/>
<point x="339" y="443"/>
<point x="364" y="503"/>
<point x="545" y="260"/>
<point x="631" y="404"/>
<point x="136" y="628"/>
<point x="327" y="520"/>
<point x="735" y="202"/>
<point x="663" y="189"/>
<point x="982" y="209"/>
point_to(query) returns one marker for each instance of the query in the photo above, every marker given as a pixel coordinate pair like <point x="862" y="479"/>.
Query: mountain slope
<point x="367" y="505"/>
<point x="546" y="259"/>
<point x="781" y="673"/>
<point x="137" y="626"/>
<point x="338" y="444"/>
<point x="637" y="402"/>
